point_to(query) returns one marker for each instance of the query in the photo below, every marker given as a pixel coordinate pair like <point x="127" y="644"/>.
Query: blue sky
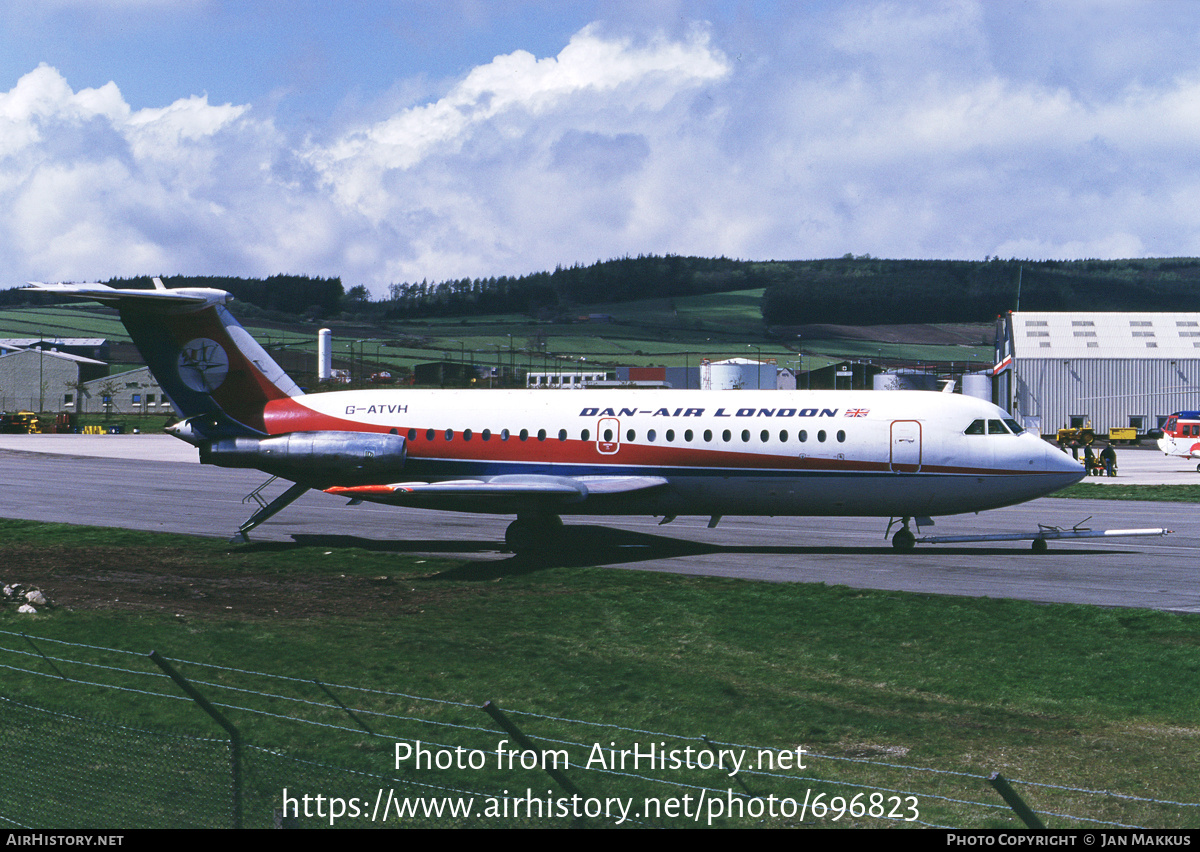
<point x="396" y="141"/>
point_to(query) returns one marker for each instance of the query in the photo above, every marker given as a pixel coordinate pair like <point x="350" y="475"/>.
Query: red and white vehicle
<point x="1181" y="436"/>
<point x="539" y="455"/>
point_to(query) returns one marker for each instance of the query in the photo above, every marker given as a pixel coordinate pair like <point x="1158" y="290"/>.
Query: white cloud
<point x="510" y="95"/>
<point x="95" y="188"/>
<point x="895" y="129"/>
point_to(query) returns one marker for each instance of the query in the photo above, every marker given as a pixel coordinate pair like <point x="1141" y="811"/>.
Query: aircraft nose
<point x="1061" y="463"/>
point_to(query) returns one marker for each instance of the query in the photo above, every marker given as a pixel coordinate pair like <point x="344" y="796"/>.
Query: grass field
<point x="1172" y="493"/>
<point x="653" y="332"/>
<point x="1079" y="697"/>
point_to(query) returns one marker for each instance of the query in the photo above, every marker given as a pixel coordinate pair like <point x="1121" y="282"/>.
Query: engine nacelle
<point x="318" y="459"/>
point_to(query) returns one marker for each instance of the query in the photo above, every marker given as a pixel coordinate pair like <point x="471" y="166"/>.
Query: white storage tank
<point x="324" y="355"/>
<point x="737" y="374"/>
<point x="978" y="385"/>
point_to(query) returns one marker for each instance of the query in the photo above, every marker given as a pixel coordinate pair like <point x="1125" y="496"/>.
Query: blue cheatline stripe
<point x="418" y="468"/>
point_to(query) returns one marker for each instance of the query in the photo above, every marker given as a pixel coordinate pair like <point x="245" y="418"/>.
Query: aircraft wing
<point x="560" y="489"/>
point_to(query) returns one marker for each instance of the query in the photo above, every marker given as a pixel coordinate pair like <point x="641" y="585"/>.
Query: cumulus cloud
<point x="94" y="187"/>
<point x="893" y="129"/>
<point x="512" y="94"/>
<point x="896" y="143"/>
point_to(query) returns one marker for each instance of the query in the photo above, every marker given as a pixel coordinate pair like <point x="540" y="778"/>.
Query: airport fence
<point x="309" y="754"/>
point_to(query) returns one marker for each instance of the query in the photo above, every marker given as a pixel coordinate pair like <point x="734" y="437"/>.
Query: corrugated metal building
<point x="1055" y="370"/>
<point x="40" y="380"/>
<point x="132" y="392"/>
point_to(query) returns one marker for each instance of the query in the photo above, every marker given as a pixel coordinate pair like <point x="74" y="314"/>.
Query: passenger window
<point x="503" y="434"/>
<point x="687" y="436"/>
<point x="651" y="435"/>
<point x="562" y="434"/>
<point x="486" y="434"/>
<point x="821" y="436"/>
<point x="670" y="435"/>
<point x="428" y="434"/>
<point x="586" y="435"/>
<point x="745" y="435"/>
<point x="708" y="434"/>
<point x="766" y="436"/>
<point x="630" y="435"/>
<point x="803" y="435"/>
<point x="841" y="436"/>
<point x="524" y="436"/>
<point x="412" y="434"/>
<point x="726" y="435"/>
<point x="466" y="434"/>
<point x="783" y="436"/>
<point x="449" y="434"/>
<point x="541" y="434"/>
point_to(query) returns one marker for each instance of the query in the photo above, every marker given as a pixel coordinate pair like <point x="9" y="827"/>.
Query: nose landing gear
<point x="904" y="540"/>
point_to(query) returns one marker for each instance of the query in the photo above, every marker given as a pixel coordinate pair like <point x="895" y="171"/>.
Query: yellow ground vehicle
<point x="1079" y="437"/>
<point x="1126" y="434"/>
<point x="21" y="423"/>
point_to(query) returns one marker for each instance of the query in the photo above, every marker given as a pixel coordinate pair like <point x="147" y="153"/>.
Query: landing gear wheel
<point x="1198" y="468"/>
<point x="1040" y="546"/>
<point x="534" y="533"/>
<point x="904" y="540"/>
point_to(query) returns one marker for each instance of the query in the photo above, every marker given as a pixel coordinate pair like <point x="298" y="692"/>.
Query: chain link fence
<point x="66" y="770"/>
<point x="63" y="770"/>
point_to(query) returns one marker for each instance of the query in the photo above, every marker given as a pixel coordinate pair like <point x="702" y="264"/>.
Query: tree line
<point x="566" y="288"/>
<point x="854" y="290"/>
<point x="867" y="291"/>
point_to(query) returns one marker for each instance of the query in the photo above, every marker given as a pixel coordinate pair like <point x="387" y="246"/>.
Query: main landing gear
<point x="533" y="533"/>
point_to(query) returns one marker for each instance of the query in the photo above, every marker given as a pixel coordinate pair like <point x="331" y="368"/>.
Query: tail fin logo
<point x="203" y="364"/>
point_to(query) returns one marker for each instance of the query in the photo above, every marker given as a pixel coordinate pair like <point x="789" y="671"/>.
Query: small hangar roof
<point x="26" y="342"/>
<point x="1105" y="335"/>
<point x="62" y="356"/>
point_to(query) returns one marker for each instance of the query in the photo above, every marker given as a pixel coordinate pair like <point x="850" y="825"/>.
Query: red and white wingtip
<point x="364" y="490"/>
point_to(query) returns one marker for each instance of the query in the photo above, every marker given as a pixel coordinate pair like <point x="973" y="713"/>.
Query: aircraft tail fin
<point x="215" y="374"/>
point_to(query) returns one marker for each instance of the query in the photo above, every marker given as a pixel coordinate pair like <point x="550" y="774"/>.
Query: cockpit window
<point x="994" y="427"/>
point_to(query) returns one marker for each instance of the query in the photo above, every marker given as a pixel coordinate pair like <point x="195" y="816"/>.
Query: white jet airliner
<point x="541" y="454"/>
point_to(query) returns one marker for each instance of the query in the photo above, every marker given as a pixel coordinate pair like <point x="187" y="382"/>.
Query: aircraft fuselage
<point x="878" y="453"/>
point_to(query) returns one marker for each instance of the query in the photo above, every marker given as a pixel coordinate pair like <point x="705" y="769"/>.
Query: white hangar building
<point x="1055" y="370"/>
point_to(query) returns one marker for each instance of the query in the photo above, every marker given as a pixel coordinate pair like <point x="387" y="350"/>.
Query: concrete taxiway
<point x="153" y="482"/>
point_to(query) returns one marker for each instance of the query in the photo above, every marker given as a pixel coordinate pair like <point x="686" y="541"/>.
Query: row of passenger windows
<point x="994" y="427"/>
<point x="630" y="435"/>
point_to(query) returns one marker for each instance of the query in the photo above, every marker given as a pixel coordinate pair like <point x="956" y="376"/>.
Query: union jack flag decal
<point x="857" y="412"/>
